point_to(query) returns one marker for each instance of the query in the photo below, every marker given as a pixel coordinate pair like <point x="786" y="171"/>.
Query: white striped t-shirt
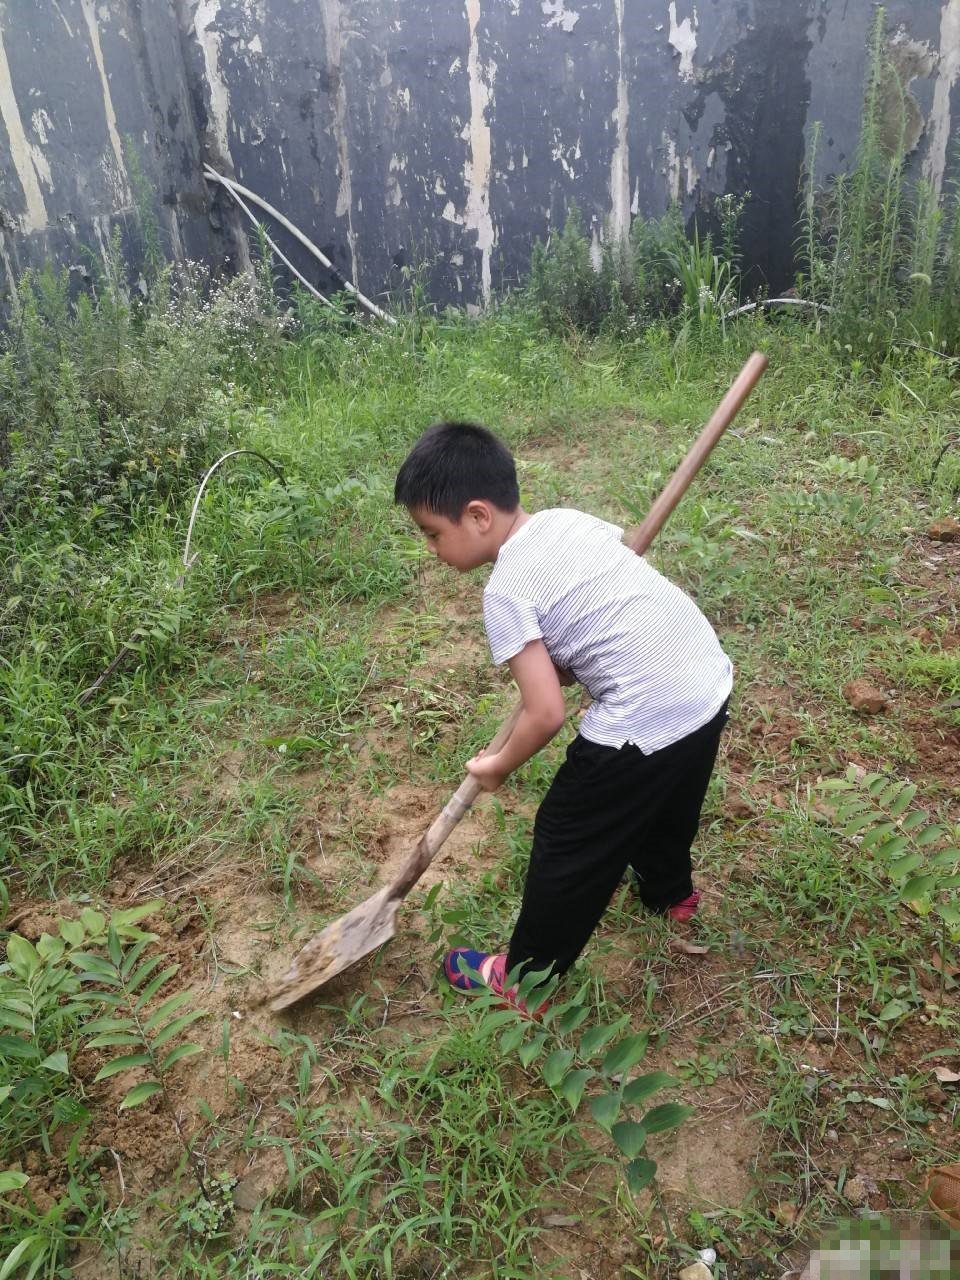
<point x="639" y="645"/>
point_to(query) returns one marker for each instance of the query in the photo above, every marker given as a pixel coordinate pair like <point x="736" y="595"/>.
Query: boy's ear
<point x="479" y="513"/>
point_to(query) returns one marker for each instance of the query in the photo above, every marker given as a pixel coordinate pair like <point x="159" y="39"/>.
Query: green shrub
<point x="880" y="254"/>
<point x="658" y="273"/>
<point x="110" y="399"/>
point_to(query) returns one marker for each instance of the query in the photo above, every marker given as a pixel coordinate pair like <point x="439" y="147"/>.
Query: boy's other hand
<point x="487" y="770"/>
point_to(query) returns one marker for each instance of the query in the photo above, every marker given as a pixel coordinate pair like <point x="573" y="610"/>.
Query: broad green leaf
<point x="11" y="1180"/>
<point x="512" y="1038"/>
<point x="50" y="949"/>
<point x="71" y="931"/>
<point x="108" y="1024"/>
<point x="133" y="955"/>
<point x="857" y="824"/>
<point x="163" y="1011"/>
<point x="539" y="978"/>
<point x="903" y="867"/>
<point x="14" y="1047"/>
<point x="894" y="847"/>
<point x="640" y="1174"/>
<point x="894" y="1009"/>
<point x="176" y="1026"/>
<point x="114" y="1039"/>
<point x="574" y="1084"/>
<point x="639" y="1090"/>
<point x="154" y="986"/>
<point x="94" y="922"/>
<point x="948" y="882"/>
<point x="556" y="1066"/>
<point x="17" y="1254"/>
<point x="901" y="802"/>
<point x="529" y="1051"/>
<point x="133" y="915"/>
<point x="915" y="818"/>
<point x="23" y="957"/>
<point x="629" y="1137"/>
<point x="592" y="1041"/>
<point x="95" y="964"/>
<point x="10" y="1018"/>
<point x="5" y="1091"/>
<point x="56" y="1062"/>
<point x="571" y="1018"/>
<point x="124" y="1063"/>
<point x="950" y="916"/>
<point x="919" y="887"/>
<point x="625" y="1054"/>
<point x="945" y="858"/>
<point x="177" y="1055"/>
<point x="878" y="834"/>
<point x="667" y="1116"/>
<point x="114" y="946"/>
<point x="931" y="835"/>
<point x="144" y="972"/>
<point x="494" y="1019"/>
<point x="605" y="1108"/>
<point x="140" y="1093"/>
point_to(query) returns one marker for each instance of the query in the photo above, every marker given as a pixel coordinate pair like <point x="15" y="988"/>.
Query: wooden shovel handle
<point x="459" y="803"/>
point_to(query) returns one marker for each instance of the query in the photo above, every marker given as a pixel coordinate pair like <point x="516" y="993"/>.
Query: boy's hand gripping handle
<point x="429" y="844"/>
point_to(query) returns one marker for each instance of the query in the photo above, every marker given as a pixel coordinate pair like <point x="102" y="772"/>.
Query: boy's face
<point x="463" y="544"/>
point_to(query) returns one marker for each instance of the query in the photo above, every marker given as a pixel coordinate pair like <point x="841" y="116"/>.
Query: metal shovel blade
<point x="340" y="945"/>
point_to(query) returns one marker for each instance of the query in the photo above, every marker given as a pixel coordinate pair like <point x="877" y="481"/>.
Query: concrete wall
<point x="395" y="130"/>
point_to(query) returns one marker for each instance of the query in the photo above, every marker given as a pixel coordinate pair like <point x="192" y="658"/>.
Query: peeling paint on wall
<point x="948" y="75"/>
<point x="620" y="163"/>
<point x="122" y="182"/>
<point x="332" y="18"/>
<point x="671" y="169"/>
<point x="206" y="15"/>
<point x="559" y="14"/>
<point x="476" y="173"/>
<point x="683" y="38"/>
<point x="21" y="153"/>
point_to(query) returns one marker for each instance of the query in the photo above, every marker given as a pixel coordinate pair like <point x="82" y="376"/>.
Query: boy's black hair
<point x="454" y="463"/>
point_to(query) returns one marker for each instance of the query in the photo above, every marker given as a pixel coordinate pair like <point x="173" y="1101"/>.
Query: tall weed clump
<point x="658" y="273"/>
<point x="880" y="253"/>
<point x="108" y="399"/>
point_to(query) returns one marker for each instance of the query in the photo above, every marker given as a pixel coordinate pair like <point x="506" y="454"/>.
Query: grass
<point x="282" y="731"/>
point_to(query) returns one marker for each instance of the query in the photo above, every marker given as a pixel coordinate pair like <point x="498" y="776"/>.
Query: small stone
<point x="855" y="1191"/>
<point x="696" y="1271"/>
<point x="247" y="1194"/>
<point x="786" y="1213"/>
<point x="865" y="697"/>
<point x="740" y="807"/>
<point x="945" y="530"/>
<point x="831" y="1136"/>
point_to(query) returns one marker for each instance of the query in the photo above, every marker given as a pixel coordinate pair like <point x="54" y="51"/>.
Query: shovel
<point x="370" y="925"/>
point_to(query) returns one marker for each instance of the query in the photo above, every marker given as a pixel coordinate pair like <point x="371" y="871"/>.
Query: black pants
<point x="608" y="809"/>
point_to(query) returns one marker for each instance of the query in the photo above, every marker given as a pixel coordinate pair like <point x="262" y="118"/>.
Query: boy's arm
<point x="541" y="719"/>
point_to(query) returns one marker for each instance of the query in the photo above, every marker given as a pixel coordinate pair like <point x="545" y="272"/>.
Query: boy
<point x="566" y="601"/>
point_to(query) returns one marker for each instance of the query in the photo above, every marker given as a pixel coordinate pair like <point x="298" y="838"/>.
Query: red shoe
<point x="492" y="973"/>
<point x="685" y="910"/>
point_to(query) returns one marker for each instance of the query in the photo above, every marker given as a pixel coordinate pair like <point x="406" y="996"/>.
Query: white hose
<point x="235" y="187"/>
